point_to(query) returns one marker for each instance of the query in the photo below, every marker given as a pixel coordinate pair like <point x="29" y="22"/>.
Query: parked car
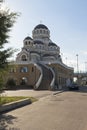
<point x="73" y="86"/>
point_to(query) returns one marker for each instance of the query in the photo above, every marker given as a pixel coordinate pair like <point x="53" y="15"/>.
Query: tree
<point x="7" y="20"/>
<point x="11" y="83"/>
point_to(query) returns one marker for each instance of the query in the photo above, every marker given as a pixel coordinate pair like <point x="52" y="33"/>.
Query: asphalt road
<point x="63" y="111"/>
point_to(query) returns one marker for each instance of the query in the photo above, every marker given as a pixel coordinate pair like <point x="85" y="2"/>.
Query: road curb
<point x="59" y="92"/>
<point x="14" y="105"/>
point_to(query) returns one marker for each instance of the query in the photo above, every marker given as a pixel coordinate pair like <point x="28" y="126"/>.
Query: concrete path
<point x="30" y="93"/>
<point x="64" y="111"/>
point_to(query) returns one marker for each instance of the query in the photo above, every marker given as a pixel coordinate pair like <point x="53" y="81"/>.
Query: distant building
<point x="39" y="64"/>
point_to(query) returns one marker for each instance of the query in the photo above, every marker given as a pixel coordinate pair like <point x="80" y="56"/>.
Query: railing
<point x="52" y="84"/>
<point x="80" y="74"/>
<point x="40" y="78"/>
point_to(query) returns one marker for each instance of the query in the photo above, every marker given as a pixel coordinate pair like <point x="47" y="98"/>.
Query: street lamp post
<point x="77" y="63"/>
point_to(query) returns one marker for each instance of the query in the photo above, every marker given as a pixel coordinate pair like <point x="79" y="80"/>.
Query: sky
<point x="66" y="20"/>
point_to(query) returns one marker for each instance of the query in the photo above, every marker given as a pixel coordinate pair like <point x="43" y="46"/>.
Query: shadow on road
<point x="6" y="120"/>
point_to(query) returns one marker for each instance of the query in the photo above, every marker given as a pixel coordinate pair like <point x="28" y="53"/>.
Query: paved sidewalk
<point x="30" y="93"/>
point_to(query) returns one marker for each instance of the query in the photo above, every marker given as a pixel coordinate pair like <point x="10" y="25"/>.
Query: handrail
<point x="40" y="78"/>
<point x="52" y="84"/>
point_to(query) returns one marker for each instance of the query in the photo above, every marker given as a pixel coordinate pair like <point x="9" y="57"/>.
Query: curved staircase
<point x="46" y="79"/>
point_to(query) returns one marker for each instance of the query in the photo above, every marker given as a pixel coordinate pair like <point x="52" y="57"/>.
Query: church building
<point x="39" y="63"/>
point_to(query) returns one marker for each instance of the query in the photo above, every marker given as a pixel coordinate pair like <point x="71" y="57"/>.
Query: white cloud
<point x="71" y="60"/>
<point x="84" y="52"/>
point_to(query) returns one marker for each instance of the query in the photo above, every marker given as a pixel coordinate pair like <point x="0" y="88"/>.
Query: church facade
<point x="39" y="64"/>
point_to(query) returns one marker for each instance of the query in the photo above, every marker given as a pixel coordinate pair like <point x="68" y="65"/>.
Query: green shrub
<point x="11" y="84"/>
<point x="1" y="85"/>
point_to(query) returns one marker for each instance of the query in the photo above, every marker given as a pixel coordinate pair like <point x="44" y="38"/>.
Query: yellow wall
<point x="33" y="73"/>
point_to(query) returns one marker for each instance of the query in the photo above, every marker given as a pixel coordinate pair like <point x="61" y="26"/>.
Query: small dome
<point x="28" y="38"/>
<point x="41" y="26"/>
<point x="52" y="44"/>
<point x="38" y="42"/>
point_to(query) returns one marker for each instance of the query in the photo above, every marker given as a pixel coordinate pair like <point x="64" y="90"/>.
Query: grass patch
<point x="5" y="99"/>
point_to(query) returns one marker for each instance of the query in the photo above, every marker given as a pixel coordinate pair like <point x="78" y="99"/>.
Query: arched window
<point x="25" y="42"/>
<point x="32" y="69"/>
<point x="24" y="58"/>
<point x="44" y="31"/>
<point x="40" y="31"/>
<point x="29" y="42"/>
<point x="24" y="69"/>
<point x="12" y="70"/>
<point x="24" y="81"/>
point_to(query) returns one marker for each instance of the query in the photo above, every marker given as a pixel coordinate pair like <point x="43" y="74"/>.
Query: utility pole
<point x="77" y="64"/>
